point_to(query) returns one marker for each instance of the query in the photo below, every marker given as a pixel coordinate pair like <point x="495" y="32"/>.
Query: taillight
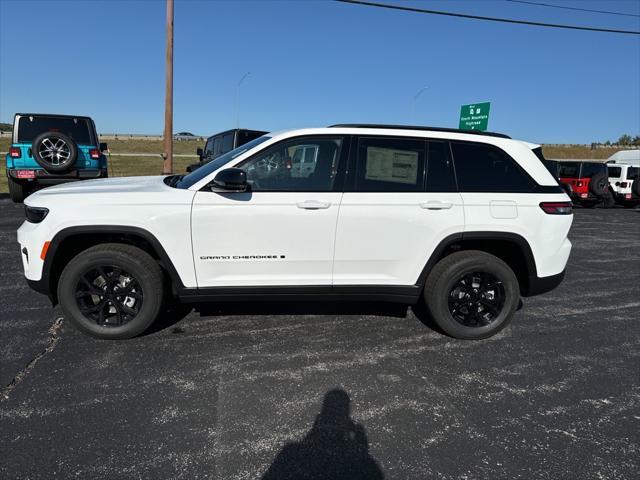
<point x="623" y="184"/>
<point x="15" y="152"/>
<point x="556" y="208"/>
<point x="94" y="153"/>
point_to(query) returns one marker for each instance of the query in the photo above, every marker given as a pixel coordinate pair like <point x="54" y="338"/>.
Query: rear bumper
<point x="590" y="198"/>
<point x="539" y="285"/>
<point x="626" y="198"/>
<point x="46" y="178"/>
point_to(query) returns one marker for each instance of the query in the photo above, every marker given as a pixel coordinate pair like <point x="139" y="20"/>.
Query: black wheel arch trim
<point x="535" y="284"/>
<point x="44" y="284"/>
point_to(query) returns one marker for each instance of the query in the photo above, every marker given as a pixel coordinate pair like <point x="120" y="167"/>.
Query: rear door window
<point x="217" y="147"/>
<point x="440" y="175"/>
<point x="390" y="165"/>
<point x="78" y="129"/>
<point x="486" y="168"/>
<point x="227" y="142"/>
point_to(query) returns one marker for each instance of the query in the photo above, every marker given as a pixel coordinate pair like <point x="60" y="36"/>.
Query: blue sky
<point x="314" y="63"/>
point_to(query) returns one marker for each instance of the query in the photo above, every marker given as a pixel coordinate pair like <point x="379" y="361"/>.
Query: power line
<point x="491" y="19"/>
<point x="607" y="12"/>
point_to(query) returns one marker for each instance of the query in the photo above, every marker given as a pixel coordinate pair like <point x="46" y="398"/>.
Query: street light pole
<point x="167" y="164"/>
<point x="415" y="99"/>
<point x="238" y="98"/>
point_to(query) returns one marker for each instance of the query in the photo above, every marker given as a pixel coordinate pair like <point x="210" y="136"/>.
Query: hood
<point x="108" y="185"/>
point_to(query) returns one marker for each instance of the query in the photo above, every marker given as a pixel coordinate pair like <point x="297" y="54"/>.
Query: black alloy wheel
<point x="476" y="299"/>
<point x="109" y="296"/>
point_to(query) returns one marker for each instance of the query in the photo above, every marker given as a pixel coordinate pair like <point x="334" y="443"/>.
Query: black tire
<point x="635" y="186"/>
<point x="140" y="278"/>
<point x="599" y="184"/>
<point x="608" y="200"/>
<point x="442" y="294"/>
<point x="17" y="191"/>
<point x="66" y="146"/>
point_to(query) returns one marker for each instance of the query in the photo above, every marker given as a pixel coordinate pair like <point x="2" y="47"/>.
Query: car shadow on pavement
<point x="336" y="448"/>
<point x="172" y="314"/>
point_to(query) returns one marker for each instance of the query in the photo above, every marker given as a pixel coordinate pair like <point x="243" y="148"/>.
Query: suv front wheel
<point x="111" y="291"/>
<point x="471" y="294"/>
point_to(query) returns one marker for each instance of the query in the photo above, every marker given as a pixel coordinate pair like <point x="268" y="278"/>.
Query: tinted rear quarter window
<point x="633" y="173"/>
<point x="78" y="129"/>
<point x="485" y="168"/>
<point x="390" y="165"/>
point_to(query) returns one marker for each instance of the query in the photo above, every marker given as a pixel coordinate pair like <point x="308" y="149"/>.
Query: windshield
<point x="78" y="129"/>
<point x="197" y="175"/>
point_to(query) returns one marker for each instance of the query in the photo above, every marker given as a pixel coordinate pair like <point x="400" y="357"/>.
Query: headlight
<point x="35" y="214"/>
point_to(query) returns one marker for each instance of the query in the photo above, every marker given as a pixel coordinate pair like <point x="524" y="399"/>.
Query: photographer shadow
<point x="336" y="448"/>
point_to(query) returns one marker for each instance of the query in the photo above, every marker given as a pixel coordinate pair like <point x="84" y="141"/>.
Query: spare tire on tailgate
<point x="635" y="186"/>
<point x="55" y="152"/>
<point x="599" y="184"/>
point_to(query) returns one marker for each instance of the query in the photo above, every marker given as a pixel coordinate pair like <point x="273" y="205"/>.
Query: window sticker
<point x="390" y="165"/>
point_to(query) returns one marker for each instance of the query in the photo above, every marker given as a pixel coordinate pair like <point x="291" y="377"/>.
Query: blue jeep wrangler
<point x="51" y="149"/>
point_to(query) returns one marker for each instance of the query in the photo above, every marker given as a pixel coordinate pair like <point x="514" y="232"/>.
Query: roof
<point x="50" y="115"/>
<point x="417" y="127"/>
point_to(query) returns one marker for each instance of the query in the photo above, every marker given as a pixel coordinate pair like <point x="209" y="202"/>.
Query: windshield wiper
<point x="175" y="179"/>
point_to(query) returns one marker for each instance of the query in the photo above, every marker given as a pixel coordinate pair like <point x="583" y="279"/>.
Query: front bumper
<point x="43" y="177"/>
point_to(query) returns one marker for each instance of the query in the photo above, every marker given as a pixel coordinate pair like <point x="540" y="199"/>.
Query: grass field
<point x="132" y="166"/>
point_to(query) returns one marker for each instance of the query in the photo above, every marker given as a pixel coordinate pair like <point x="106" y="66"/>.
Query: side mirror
<point x="230" y="180"/>
<point x="103" y="147"/>
<point x="199" y="153"/>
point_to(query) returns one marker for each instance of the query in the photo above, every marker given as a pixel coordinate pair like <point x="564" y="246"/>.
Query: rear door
<point x="400" y="201"/>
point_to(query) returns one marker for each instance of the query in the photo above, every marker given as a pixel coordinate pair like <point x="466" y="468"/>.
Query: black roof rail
<point x="416" y="127"/>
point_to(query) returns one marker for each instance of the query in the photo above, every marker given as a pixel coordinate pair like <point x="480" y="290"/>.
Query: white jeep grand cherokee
<point x="466" y="222"/>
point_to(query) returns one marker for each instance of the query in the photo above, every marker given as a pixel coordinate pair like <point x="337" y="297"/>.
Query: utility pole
<point x="167" y="165"/>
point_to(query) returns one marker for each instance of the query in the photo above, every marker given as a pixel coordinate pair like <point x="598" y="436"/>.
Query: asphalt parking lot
<point x="345" y="391"/>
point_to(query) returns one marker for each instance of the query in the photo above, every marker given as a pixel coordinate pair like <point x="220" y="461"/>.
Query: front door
<point x="282" y="232"/>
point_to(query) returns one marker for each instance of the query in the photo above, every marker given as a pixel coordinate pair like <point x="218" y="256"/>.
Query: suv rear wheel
<point x="471" y="294"/>
<point x="111" y="291"/>
<point x="17" y="191"/>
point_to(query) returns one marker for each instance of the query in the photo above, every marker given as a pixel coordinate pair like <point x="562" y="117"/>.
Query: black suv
<point x="223" y="142"/>
<point x="50" y="149"/>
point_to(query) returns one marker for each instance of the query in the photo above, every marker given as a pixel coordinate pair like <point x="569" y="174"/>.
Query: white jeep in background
<point x="624" y="177"/>
<point x="463" y="221"/>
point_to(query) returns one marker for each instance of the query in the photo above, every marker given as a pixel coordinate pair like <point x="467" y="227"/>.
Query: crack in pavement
<point x="54" y="337"/>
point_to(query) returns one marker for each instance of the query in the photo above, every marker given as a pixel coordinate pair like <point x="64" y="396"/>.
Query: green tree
<point x="624" y="140"/>
<point x="636" y="140"/>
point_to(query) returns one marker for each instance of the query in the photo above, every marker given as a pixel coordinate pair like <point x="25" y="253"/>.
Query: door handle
<point x="436" y="205"/>
<point x="313" y="205"/>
